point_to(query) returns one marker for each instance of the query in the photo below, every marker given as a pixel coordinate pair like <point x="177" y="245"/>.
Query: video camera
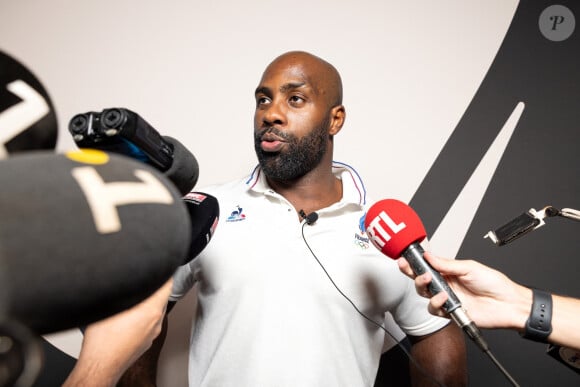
<point x="120" y="130"/>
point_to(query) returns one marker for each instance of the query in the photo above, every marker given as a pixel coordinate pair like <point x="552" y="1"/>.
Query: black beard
<point x="300" y="156"/>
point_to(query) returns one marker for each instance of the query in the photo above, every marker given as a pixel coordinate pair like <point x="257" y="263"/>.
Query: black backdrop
<point x="539" y="167"/>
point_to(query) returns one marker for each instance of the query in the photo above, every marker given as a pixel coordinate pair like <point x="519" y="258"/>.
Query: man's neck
<point x="310" y="192"/>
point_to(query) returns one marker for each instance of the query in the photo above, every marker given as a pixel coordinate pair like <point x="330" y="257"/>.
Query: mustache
<point x="277" y="132"/>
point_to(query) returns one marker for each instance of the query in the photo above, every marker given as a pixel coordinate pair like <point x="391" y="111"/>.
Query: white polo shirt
<point x="268" y="315"/>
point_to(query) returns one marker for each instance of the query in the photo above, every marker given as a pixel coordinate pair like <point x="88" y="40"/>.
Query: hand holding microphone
<point x="396" y="230"/>
<point x="492" y="299"/>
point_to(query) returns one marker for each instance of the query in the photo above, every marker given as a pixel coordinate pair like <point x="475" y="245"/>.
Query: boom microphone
<point x="125" y="132"/>
<point x="84" y="236"/>
<point x="396" y="230"/>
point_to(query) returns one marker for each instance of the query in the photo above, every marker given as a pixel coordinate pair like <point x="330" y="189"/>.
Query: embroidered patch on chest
<point x="236" y="215"/>
<point x="360" y="237"/>
<point x="361" y="241"/>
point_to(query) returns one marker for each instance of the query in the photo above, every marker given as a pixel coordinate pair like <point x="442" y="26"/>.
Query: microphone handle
<point x="414" y="255"/>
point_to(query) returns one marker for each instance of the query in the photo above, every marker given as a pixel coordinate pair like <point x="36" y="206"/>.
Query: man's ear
<point x="337" y="117"/>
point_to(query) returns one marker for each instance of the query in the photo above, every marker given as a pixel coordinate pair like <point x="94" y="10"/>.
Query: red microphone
<point x="393" y="226"/>
<point x="396" y="230"/>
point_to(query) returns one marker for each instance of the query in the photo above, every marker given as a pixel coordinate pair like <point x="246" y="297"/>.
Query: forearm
<point x="102" y="365"/>
<point x="493" y="300"/>
<point x="143" y="372"/>
<point x="94" y="373"/>
<point x="565" y="330"/>
<point x="441" y="358"/>
<point x="112" y="345"/>
<point x="565" y="311"/>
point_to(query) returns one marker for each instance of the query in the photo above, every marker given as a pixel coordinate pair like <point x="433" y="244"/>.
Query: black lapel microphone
<point x="310" y="218"/>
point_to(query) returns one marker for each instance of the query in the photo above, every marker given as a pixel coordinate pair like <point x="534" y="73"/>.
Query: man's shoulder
<point x="233" y="187"/>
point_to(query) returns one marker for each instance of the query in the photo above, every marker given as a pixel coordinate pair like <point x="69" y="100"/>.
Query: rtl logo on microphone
<point x="382" y="228"/>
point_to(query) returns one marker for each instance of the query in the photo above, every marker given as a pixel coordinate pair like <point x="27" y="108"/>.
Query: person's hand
<point x="490" y="298"/>
<point x="111" y="345"/>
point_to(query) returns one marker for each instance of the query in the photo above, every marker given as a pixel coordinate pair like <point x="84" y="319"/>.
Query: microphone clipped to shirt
<point x="396" y="230"/>
<point x="310" y="218"/>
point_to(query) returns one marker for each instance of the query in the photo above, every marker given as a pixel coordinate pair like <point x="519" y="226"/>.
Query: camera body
<point x="119" y="130"/>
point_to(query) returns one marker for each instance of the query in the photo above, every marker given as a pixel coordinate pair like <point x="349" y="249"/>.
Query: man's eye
<point x="296" y="99"/>
<point x="262" y="100"/>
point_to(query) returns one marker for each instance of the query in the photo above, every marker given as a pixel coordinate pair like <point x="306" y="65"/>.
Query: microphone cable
<point x="379" y="325"/>
<point x="421" y="369"/>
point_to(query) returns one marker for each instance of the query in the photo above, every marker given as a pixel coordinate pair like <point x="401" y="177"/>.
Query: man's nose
<point x="274" y="114"/>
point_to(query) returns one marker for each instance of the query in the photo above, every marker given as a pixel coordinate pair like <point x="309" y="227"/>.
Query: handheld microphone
<point x="184" y="169"/>
<point x="125" y="132"/>
<point x="84" y="236"/>
<point x="204" y="212"/>
<point x="27" y="116"/>
<point x="396" y="230"/>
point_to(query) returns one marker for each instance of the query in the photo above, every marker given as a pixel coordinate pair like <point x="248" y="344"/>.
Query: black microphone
<point x="120" y="130"/>
<point x="310" y="218"/>
<point x="85" y="235"/>
<point x="184" y="169"/>
<point x="204" y="212"/>
<point x="27" y="116"/>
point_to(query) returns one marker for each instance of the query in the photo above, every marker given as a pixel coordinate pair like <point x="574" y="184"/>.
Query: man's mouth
<point x="271" y="142"/>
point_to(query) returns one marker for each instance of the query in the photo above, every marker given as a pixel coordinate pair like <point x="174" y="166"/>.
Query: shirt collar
<point x="353" y="189"/>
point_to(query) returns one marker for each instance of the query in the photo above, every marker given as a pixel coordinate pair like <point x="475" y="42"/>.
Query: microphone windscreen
<point x="184" y="170"/>
<point x="85" y="235"/>
<point x="27" y="116"/>
<point x="392" y="226"/>
<point x="204" y="212"/>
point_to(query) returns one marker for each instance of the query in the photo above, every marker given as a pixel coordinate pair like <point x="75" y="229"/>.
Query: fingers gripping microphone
<point x="84" y="236"/>
<point x="396" y="230"/>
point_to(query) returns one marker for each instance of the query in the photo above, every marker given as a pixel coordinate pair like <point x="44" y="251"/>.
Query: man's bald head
<point x="298" y="112"/>
<point x="320" y="74"/>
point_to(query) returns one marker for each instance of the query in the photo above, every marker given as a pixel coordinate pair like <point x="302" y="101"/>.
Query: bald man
<point x="278" y="282"/>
